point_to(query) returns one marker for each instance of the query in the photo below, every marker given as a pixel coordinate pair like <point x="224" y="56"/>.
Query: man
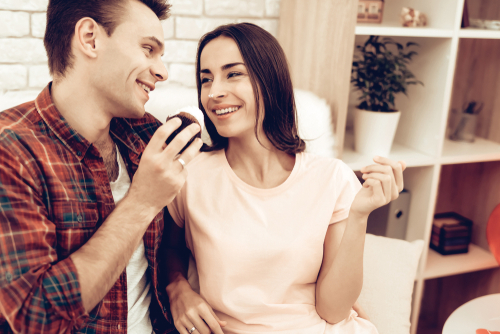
<point x="80" y="217"/>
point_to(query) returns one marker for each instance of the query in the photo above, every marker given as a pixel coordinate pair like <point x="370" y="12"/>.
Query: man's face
<point x="129" y="62"/>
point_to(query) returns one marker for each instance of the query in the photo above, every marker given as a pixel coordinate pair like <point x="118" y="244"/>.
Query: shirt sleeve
<point x="176" y="207"/>
<point x="347" y="186"/>
<point x="39" y="293"/>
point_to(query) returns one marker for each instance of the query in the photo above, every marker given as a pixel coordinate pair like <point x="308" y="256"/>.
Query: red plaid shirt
<point x="54" y="194"/>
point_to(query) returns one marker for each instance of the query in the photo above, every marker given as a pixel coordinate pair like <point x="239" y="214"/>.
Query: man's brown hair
<point x="62" y="16"/>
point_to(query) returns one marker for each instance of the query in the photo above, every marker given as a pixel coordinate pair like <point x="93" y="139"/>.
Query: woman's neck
<point x="259" y="164"/>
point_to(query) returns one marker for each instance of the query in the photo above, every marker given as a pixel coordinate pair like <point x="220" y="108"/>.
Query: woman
<point x="277" y="234"/>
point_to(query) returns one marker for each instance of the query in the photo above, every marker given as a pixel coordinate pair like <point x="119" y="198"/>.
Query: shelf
<point x="397" y="30"/>
<point x="446" y="265"/>
<point x="479" y="33"/>
<point x="356" y="161"/>
<point x="480" y="150"/>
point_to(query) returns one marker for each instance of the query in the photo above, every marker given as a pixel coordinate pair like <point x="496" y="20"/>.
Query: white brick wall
<point x="23" y="61"/>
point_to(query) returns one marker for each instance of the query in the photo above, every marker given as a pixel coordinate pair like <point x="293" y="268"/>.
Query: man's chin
<point x="134" y="113"/>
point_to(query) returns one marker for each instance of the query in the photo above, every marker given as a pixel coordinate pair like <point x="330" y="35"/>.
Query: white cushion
<point x="389" y="271"/>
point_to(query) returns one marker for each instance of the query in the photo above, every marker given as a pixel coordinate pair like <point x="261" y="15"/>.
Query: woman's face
<point x="224" y="76"/>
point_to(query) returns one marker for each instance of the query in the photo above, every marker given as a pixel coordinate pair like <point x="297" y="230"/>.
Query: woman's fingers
<point x="397" y="167"/>
<point x="386" y="181"/>
<point x="378" y="195"/>
<point x="388" y="166"/>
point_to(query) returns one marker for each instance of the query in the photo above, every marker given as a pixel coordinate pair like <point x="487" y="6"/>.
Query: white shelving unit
<point x="479" y="33"/>
<point x="421" y="139"/>
<point x="476" y="259"/>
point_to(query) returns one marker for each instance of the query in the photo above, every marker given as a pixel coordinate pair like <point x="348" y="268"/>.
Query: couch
<point x="390" y="265"/>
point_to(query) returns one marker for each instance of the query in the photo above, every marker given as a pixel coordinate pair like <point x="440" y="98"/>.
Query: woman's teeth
<point x="226" y="111"/>
<point x="143" y="86"/>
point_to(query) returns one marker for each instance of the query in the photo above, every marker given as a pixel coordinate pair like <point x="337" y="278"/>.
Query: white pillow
<point x="389" y="271"/>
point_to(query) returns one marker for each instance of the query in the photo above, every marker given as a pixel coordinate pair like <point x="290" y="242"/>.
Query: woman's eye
<point x="233" y="74"/>
<point x="205" y="80"/>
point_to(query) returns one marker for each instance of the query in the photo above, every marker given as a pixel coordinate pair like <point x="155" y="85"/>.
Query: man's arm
<point x="155" y="184"/>
<point x="41" y="294"/>
<point x="188" y="308"/>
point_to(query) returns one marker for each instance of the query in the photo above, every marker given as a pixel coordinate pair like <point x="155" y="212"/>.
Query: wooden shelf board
<point x="356" y="161"/>
<point x="397" y="30"/>
<point x="480" y="150"/>
<point x="479" y="33"/>
<point x="446" y="265"/>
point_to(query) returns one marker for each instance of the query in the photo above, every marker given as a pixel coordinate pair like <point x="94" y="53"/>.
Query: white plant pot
<point x="374" y="131"/>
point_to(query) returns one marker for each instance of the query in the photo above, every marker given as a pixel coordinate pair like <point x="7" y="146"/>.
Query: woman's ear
<point x="86" y="33"/>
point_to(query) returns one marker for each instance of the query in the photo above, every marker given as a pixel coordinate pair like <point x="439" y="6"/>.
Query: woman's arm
<point x="188" y="308"/>
<point x="341" y="275"/>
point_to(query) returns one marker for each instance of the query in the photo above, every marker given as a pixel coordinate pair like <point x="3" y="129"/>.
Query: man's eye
<point x="149" y="49"/>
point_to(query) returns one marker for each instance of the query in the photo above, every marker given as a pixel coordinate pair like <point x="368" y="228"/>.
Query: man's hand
<point x="160" y="176"/>
<point x="383" y="183"/>
<point x="190" y="310"/>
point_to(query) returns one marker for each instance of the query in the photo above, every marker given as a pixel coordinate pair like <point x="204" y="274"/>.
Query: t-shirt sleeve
<point x="347" y="186"/>
<point x="176" y="208"/>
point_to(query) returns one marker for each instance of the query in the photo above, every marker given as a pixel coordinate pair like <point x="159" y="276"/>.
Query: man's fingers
<point x="180" y="140"/>
<point x="192" y="150"/>
<point x="212" y="321"/>
<point x="199" y="324"/>
<point x="163" y="132"/>
<point x="221" y="323"/>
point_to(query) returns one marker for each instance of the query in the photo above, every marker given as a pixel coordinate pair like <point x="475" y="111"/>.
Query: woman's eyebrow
<point x="224" y="67"/>
<point x="228" y="66"/>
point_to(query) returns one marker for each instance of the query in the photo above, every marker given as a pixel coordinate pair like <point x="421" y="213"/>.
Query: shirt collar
<point x="75" y="142"/>
<point x="121" y="129"/>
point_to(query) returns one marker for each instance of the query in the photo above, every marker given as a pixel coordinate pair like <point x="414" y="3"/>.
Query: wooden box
<point x="451" y="233"/>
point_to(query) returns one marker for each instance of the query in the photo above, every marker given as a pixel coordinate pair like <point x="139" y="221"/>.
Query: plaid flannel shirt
<point x="54" y="194"/>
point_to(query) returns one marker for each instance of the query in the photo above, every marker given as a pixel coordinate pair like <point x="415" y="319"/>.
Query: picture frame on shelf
<point x="370" y="11"/>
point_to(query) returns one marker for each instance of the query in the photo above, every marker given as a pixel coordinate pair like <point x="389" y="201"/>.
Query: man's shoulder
<point x="145" y="126"/>
<point x="19" y="121"/>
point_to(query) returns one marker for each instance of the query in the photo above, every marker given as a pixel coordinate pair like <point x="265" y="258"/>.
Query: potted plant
<point x="379" y="72"/>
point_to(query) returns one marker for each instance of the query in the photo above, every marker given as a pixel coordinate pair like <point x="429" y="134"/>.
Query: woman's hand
<point x="383" y="183"/>
<point x="190" y="310"/>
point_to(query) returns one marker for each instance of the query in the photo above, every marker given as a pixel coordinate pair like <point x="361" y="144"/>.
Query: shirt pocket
<point x="75" y="224"/>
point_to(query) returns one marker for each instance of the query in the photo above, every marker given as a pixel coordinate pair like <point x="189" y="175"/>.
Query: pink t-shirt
<point x="259" y="251"/>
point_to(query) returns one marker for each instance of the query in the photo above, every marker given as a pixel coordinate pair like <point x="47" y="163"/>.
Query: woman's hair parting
<point x="268" y="71"/>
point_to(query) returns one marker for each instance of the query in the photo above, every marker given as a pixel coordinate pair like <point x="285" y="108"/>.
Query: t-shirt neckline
<point x="261" y="191"/>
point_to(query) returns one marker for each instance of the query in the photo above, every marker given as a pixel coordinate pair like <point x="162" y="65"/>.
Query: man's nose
<point x="159" y="71"/>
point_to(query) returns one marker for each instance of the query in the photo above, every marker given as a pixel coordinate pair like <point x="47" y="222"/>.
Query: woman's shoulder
<point x="205" y="161"/>
<point x="314" y="161"/>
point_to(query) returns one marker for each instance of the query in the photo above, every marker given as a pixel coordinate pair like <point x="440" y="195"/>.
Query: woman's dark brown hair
<point x="268" y="70"/>
<point x="63" y="15"/>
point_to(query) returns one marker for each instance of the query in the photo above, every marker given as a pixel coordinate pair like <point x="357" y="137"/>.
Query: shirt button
<point x="79" y="153"/>
<point x="119" y="326"/>
<point x="8" y="276"/>
<point x="79" y="218"/>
